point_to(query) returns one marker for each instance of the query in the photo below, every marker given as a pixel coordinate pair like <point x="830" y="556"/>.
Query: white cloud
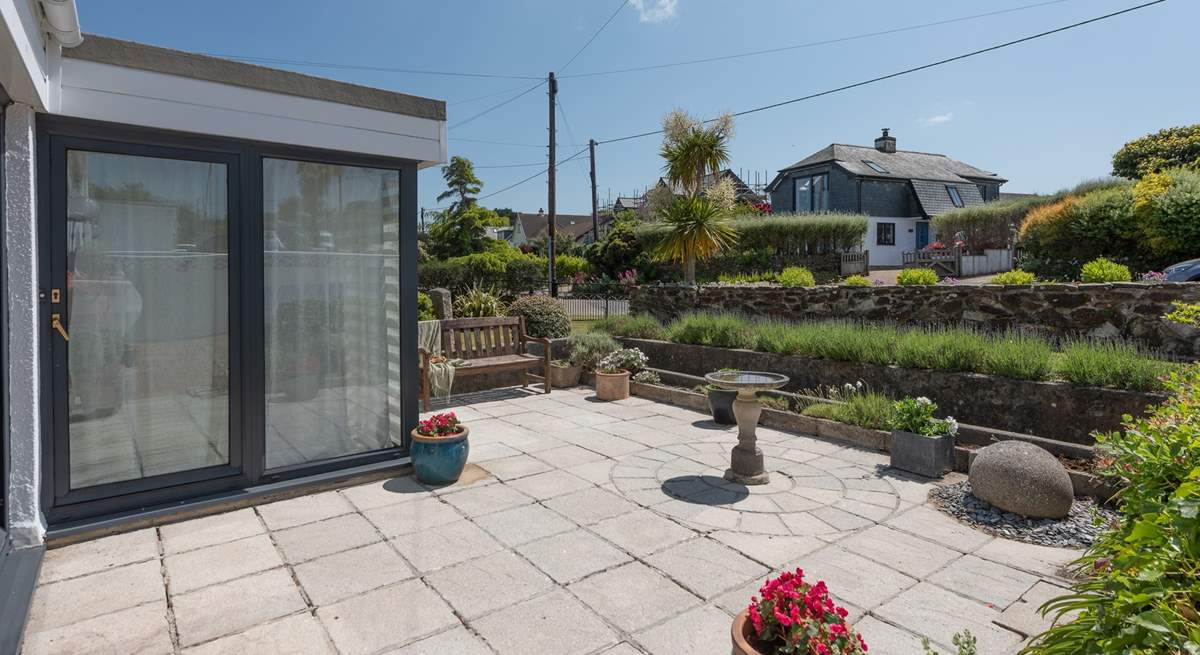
<point x="938" y="119"/>
<point x="655" y="11"/>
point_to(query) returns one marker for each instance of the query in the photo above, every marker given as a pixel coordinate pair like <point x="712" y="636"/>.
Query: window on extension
<point x="875" y="167"/>
<point x="885" y="234"/>
<point x="811" y="193"/>
<point x="954" y="195"/>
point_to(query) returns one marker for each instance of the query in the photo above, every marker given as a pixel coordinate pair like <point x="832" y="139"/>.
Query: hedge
<point x="783" y="234"/>
<point x="517" y="275"/>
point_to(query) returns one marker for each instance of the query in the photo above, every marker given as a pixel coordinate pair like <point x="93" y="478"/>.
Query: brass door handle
<point x="56" y="323"/>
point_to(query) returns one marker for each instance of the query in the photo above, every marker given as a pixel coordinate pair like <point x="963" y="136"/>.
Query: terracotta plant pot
<point x="440" y="460"/>
<point x="564" y="377"/>
<point x="612" y="386"/>
<point x="742" y="636"/>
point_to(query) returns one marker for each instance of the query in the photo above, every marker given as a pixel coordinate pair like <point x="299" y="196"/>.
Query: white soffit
<point x="133" y="96"/>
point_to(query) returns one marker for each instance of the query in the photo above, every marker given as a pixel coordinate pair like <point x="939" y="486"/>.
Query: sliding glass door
<point x="331" y="271"/>
<point x="218" y="315"/>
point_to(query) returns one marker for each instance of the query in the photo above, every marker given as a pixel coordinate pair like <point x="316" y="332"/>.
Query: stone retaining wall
<point x="1128" y="311"/>
<point x="1054" y="410"/>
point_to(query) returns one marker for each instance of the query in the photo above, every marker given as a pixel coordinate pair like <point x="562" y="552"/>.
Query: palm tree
<point x="694" y="149"/>
<point x="697" y="230"/>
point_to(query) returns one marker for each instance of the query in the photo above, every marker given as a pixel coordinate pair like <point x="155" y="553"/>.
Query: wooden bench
<point x="490" y="345"/>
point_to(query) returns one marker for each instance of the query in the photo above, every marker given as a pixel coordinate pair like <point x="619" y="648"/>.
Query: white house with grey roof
<point x="208" y="283"/>
<point x="899" y="190"/>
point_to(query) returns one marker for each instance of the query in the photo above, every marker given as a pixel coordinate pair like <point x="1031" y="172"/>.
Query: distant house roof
<point x="741" y="189"/>
<point x="623" y="203"/>
<point x="1016" y="196"/>
<point x="900" y="165"/>
<point x="935" y="199"/>
<point x="573" y="225"/>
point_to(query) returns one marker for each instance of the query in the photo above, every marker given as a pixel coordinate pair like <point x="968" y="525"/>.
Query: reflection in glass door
<point x="147" y="310"/>
<point x="331" y="272"/>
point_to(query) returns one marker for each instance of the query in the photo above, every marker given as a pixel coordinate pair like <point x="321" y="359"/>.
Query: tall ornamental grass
<point x="954" y="349"/>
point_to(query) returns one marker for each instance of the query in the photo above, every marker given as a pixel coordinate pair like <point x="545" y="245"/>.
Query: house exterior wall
<point x="24" y="330"/>
<point x="885" y="256"/>
<point x="27" y="55"/>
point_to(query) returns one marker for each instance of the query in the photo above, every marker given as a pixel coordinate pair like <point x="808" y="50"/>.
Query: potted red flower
<point x="439" y="449"/>
<point x="791" y="616"/>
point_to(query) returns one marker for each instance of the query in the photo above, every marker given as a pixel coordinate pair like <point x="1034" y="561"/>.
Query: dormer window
<point x="875" y="167"/>
<point x="954" y="195"/>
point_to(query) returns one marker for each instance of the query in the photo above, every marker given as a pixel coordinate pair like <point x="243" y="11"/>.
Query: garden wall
<point x="1054" y="410"/>
<point x="1129" y="311"/>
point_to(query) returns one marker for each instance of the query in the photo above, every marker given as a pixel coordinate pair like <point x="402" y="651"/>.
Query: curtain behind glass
<point x="331" y="241"/>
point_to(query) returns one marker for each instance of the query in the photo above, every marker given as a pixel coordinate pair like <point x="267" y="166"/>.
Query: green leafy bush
<point x="647" y="377"/>
<point x="1140" y="582"/>
<point x="636" y="326"/>
<point x="588" y="348"/>
<point x="796" y="276"/>
<point x="989" y="225"/>
<point x="525" y="274"/>
<point x="781" y="233"/>
<point x="915" y="415"/>
<point x="625" y="359"/>
<point x="916" y="277"/>
<point x="857" y="281"/>
<point x="1105" y="217"/>
<point x="1110" y="364"/>
<point x="1173" y="217"/>
<point x="425" y="307"/>
<point x="1170" y="148"/>
<point x="854" y="404"/>
<point x="1103" y="270"/>
<point x="719" y="330"/>
<point x="478" y="302"/>
<point x="1015" y="276"/>
<point x="544" y="316"/>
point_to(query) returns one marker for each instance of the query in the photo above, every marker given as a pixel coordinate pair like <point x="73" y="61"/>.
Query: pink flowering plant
<point x="793" y="617"/>
<point x="439" y="425"/>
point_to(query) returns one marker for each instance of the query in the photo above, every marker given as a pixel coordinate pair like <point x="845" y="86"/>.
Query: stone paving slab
<point x="583" y="527"/>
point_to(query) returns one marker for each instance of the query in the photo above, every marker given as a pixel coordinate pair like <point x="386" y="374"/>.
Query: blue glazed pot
<point x="440" y="460"/>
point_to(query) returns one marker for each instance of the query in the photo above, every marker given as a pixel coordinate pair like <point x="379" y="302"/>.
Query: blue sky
<point x="1044" y="114"/>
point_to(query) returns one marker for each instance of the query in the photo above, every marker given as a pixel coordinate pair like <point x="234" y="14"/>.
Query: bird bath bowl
<point x="746" y="459"/>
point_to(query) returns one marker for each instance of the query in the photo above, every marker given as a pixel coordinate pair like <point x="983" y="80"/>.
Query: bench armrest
<point x="525" y="338"/>
<point x="422" y="358"/>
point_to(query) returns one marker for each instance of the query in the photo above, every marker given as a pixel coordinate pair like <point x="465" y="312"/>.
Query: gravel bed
<point x="1078" y="530"/>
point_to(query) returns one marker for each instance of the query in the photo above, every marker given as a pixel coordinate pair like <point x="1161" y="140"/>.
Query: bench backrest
<point x="474" y="338"/>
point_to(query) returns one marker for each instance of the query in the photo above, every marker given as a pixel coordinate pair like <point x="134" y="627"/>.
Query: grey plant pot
<point x="720" y="403"/>
<point x="927" y="456"/>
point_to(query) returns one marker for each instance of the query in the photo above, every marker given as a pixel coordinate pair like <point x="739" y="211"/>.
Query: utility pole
<point x="595" y="228"/>
<point x="551" y="227"/>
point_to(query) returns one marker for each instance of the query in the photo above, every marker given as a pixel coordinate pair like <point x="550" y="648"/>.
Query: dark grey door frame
<point x="4" y="102"/>
<point x="247" y="379"/>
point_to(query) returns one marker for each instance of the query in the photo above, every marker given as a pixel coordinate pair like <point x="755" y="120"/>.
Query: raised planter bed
<point x="1053" y="410"/>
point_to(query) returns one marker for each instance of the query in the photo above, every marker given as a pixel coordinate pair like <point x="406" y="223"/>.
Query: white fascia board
<point x="138" y="97"/>
<point x="24" y="67"/>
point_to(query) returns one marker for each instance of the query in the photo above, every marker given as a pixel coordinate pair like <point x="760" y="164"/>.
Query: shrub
<point x="1185" y="313"/>
<point x="568" y="266"/>
<point x="588" y="348"/>
<point x="1015" y="277"/>
<point x="1110" y="364"/>
<point x="544" y="316"/>
<point x="853" y="404"/>
<point x="790" y="615"/>
<point x="1138" y="593"/>
<point x="800" y="234"/>
<point x="847" y="342"/>
<point x="796" y="276"/>
<point x="1105" y="217"/>
<point x="915" y="415"/>
<point x="1169" y="148"/>
<point x="1174" y="222"/>
<point x="719" y="330"/>
<point x="857" y="281"/>
<point x="638" y="326"/>
<point x="647" y="377"/>
<point x="989" y="225"/>
<point x="425" y="307"/>
<point x="941" y="349"/>
<point x="524" y="274"/>
<point x="1051" y="248"/>
<point x="625" y="359"/>
<point x="916" y="277"/>
<point x="1018" y="356"/>
<point x="747" y="278"/>
<point x="1103" y="270"/>
<point x="478" y="302"/>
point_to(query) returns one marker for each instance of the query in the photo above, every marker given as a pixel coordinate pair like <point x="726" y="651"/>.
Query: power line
<point x="811" y="44"/>
<point x="502" y="143"/>
<point x="917" y="68"/>
<point x="620" y="6"/>
<point x="535" y="175"/>
<point x="380" y="69"/>
<point x="493" y="94"/>
<point x="536" y="163"/>
<point x="566" y="123"/>
<point x="497" y="105"/>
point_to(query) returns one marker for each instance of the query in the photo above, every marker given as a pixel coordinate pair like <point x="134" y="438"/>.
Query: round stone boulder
<point x="1021" y="478"/>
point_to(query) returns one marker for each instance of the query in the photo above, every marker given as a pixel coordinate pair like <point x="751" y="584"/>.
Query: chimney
<point x="885" y="143"/>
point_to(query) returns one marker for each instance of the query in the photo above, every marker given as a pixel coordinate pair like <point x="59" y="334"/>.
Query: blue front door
<point x="922" y="234"/>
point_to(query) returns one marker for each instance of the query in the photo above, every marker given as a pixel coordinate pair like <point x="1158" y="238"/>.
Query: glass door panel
<point x="331" y="272"/>
<point x="147" y="308"/>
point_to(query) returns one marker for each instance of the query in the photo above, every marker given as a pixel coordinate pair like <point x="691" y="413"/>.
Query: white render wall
<point x="26" y="56"/>
<point x="891" y="256"/>
<point x="24" y="333"/>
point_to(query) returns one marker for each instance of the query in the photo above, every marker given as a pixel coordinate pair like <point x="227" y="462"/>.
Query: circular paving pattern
<point x="808" y="494"/>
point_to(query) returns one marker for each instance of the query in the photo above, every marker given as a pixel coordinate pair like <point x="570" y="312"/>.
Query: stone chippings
<point x="1079" y="529"/>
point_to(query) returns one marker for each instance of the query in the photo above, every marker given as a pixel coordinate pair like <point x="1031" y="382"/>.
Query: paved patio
<point x="587" y="527"/>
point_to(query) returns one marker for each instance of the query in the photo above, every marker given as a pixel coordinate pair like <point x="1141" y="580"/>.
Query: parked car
<point x="1188" y="271"/>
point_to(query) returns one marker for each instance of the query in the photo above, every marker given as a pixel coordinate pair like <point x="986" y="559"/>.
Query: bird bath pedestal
<point x="746" y="459"/>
